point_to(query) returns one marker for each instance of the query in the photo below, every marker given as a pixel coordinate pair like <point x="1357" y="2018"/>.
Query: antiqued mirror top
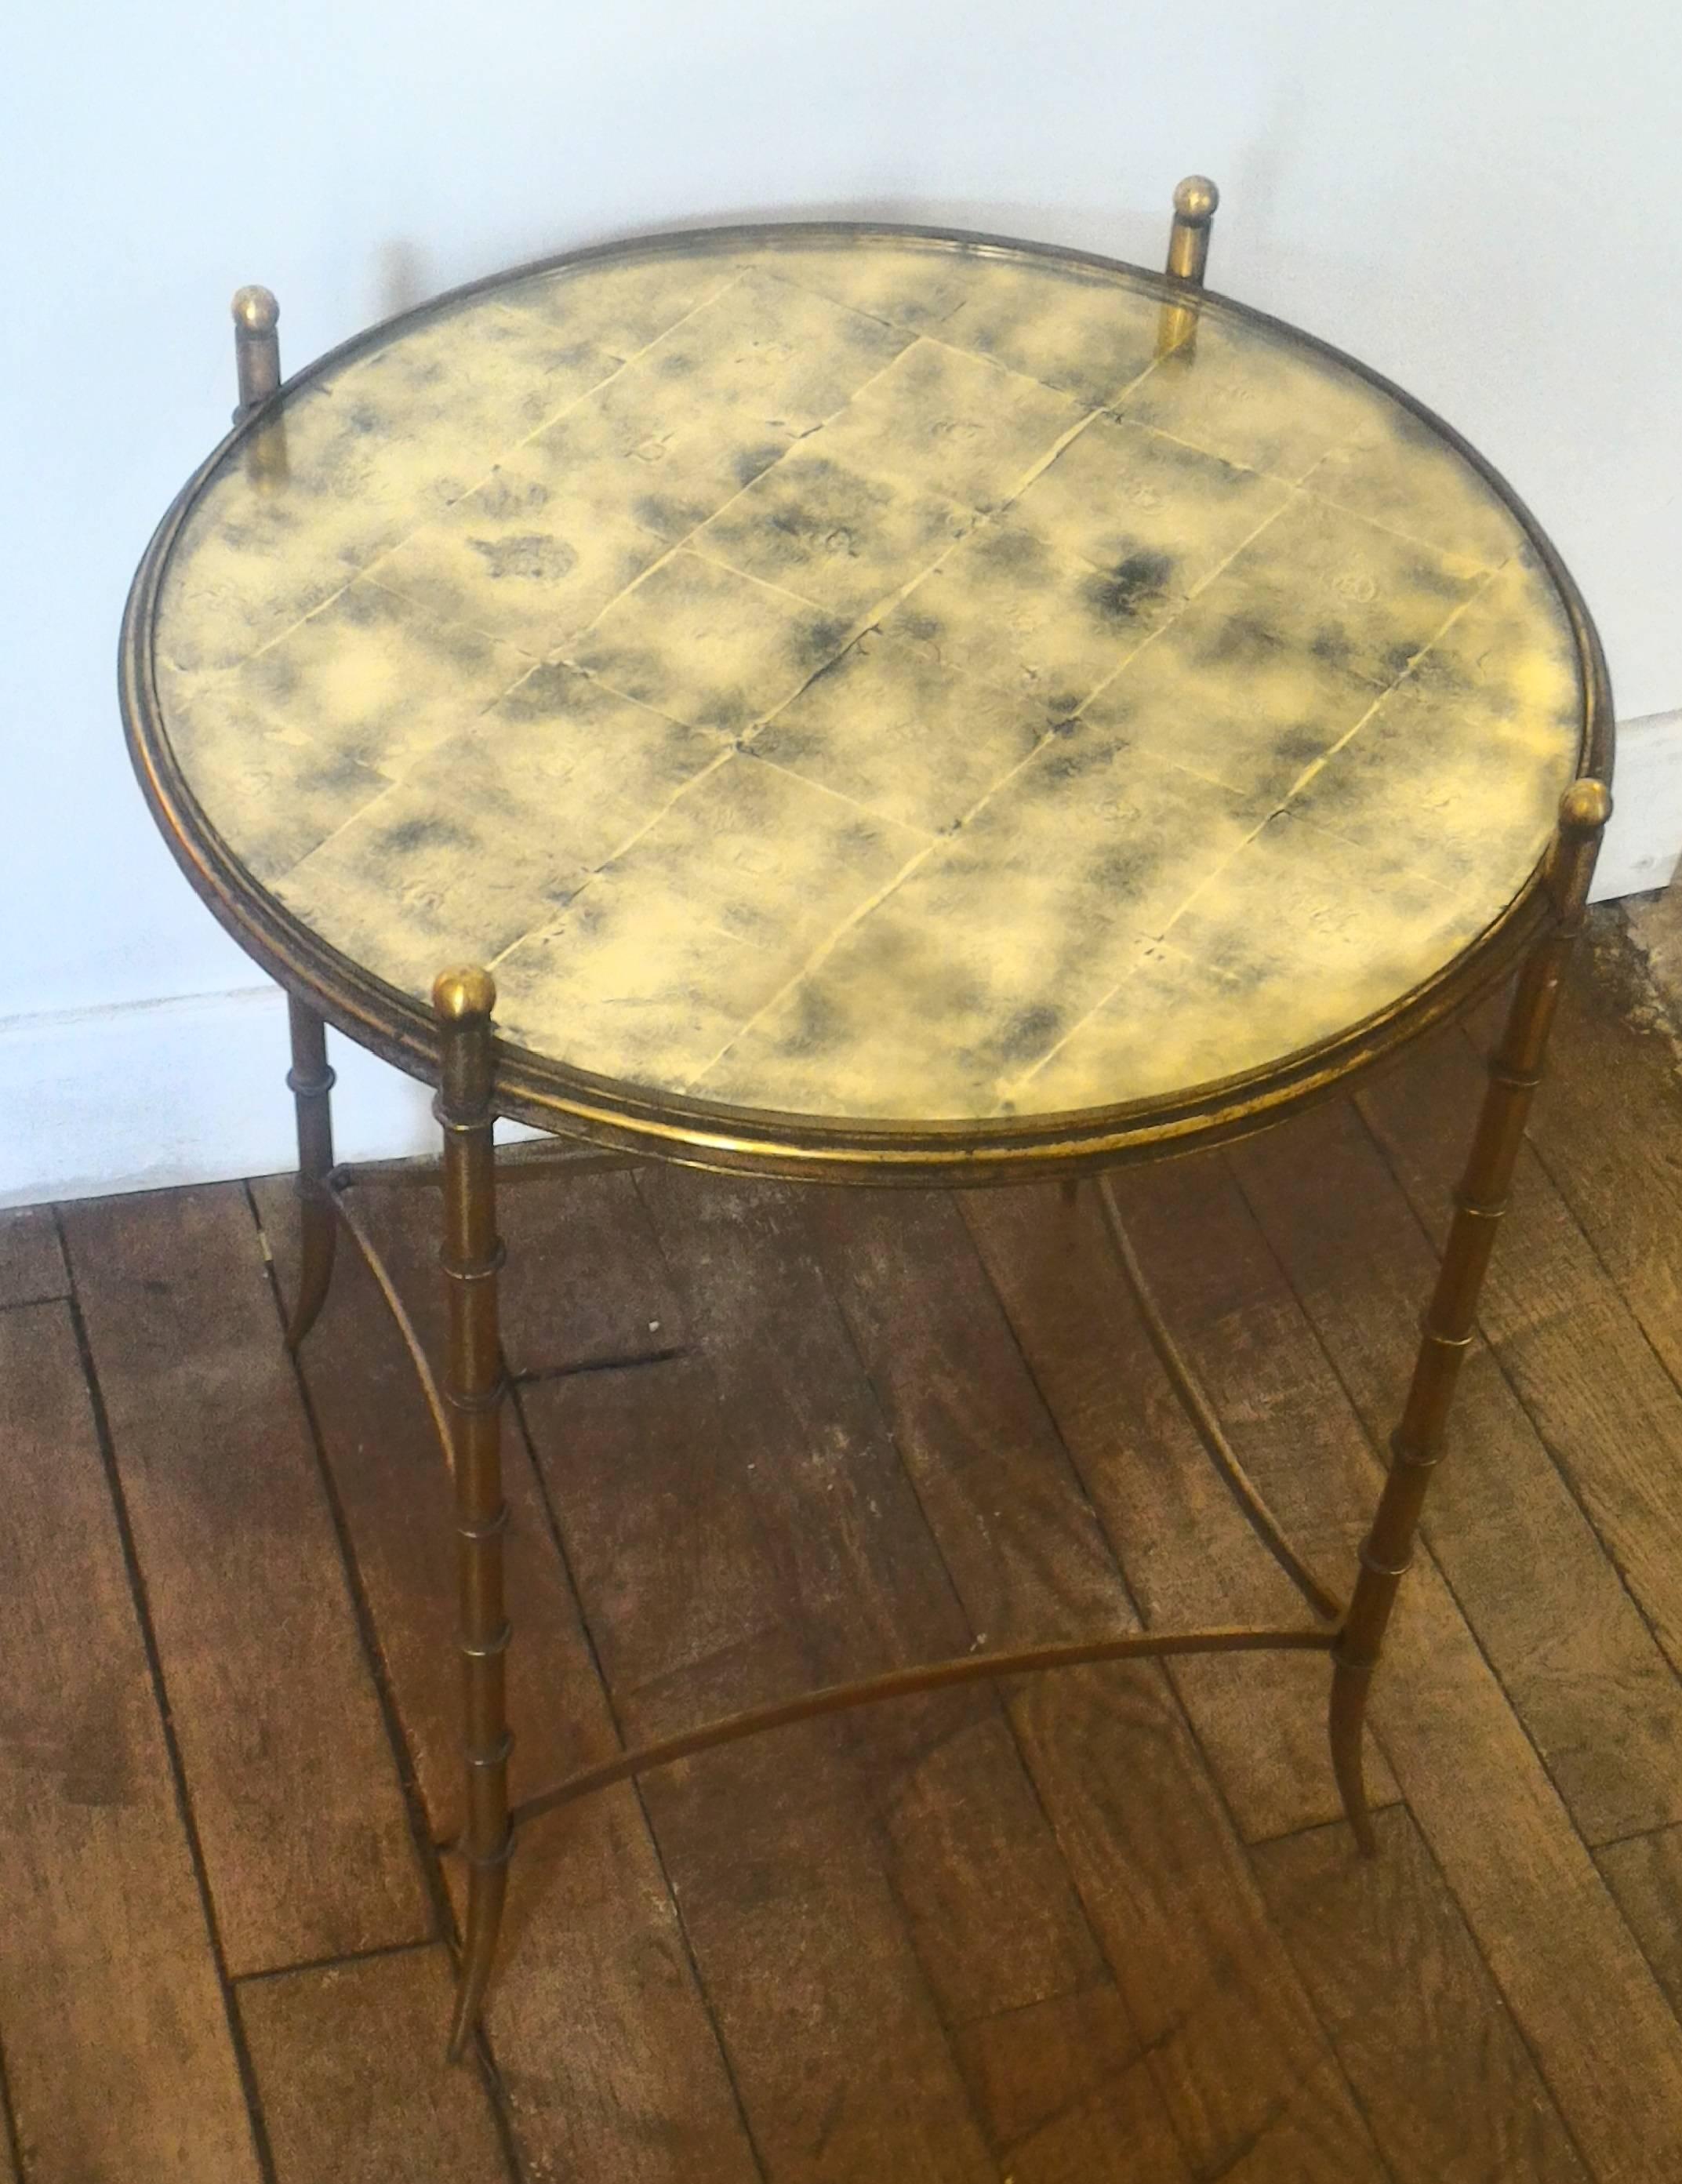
<point x="859" y="677"/>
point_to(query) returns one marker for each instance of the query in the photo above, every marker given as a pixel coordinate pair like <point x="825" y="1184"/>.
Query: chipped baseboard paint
<point x="1644" y="839"/>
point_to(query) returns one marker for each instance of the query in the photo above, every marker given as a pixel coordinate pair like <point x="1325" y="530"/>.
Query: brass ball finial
<point x="459" y="994"/>
<point x="255" y="310"/>
<point x="1195" y="200"/>
<point x="1585" y="806"/>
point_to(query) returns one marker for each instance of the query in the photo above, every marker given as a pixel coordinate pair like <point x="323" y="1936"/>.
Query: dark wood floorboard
<point x="121" y="2061"/>
<point x="1573" y="1651"/>
<point x="31" y="1262"/>
<point x="1499" y="1831"/>
<point x="1644" y="1873"/>
<point x="350" y="2072"/>
<point x="1240" y="2060"/>
<point x="1100" y="1928"/>
<point x="594" y="1288"/>
<point x="1616" y="1053"/>
<point x="985" y="1893"/>
<point x="296" y="1795"/>
<point x="609" y="2061"/>
<point x="966" y="1839"/>
<point x="1454" y="2094"/>
<point x="1190" y="1557"/>
<point x="1068" y="2093"/>
<point x="1583" y="1368"/>
<point x="839" y="2055"/>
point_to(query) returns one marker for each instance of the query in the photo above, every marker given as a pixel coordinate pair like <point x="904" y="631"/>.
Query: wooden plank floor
<point x="1105" y="1928"/>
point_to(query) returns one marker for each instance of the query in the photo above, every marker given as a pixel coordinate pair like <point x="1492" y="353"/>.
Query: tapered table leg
<point x="1417" y="1446"/>
<point x="257" y="363"/>
<point x="473" y="1390"/>
<point x="311" y="1080"/>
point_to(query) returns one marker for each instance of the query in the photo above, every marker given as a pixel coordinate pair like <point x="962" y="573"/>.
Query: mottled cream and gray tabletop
<point x="855" y="676"/>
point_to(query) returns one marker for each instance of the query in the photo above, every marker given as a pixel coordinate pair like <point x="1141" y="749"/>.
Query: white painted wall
<point x="1476" y="196"/>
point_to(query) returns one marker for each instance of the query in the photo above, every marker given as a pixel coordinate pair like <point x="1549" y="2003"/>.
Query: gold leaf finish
<point x="856" y="676"/>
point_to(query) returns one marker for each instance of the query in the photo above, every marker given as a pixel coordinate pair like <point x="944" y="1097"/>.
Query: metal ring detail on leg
<point x="1411" y="1459"/>
<point x="487" y="1649"/>
<point x="488" y="1861"/>
<point x="479" y="1403"/>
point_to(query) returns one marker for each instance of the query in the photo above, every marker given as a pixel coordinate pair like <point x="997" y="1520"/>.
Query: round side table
<point x="861" y="704"/>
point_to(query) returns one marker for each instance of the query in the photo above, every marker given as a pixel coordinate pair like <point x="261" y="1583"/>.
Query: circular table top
<point x="852" y="677"/>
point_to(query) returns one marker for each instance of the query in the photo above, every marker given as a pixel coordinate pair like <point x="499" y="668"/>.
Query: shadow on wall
<point x="400" y="279"/>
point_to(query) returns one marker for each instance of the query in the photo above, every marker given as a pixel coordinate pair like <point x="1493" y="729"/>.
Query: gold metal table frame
<point x="477" y="1080"/>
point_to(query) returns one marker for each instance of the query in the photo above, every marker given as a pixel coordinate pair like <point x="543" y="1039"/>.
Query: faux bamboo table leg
<point x="257" y="368"/>
<point x="1417" y="1446"/>
<point x="311" y="1080"/>
<point x="473" y="1390"/>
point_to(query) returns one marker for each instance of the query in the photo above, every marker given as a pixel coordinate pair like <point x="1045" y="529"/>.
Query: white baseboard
<point x="192" y="1091"/>
<point x="180" y="1091"/>
<point x="1645" y="837"/>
